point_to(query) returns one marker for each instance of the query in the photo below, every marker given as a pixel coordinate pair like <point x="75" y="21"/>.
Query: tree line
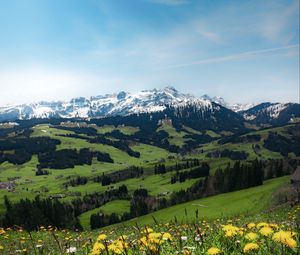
<point x="117" y="176"/>
<point x="30" y="214"/>
<point x="283" y="144"/>
<point x="194" y="173"/>
<point x="68" y="158"/>
<point x="24" y="148"/>
<point x="234" y="155"/>
<point x="161" y="168"/>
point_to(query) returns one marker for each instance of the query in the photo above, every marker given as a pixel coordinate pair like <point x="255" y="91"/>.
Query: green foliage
<point x="248" y="201"/>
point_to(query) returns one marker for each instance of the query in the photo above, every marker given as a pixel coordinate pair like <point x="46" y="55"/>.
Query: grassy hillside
<point x="28" y="185"/>
<point x="241" y="233"/>
<point x="116" y="206"/>
<point x="257" y="234"/>
<point x="247" y="201"/>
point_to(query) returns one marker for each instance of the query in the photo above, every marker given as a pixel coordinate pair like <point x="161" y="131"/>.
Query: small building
<point x="9" y="185"/>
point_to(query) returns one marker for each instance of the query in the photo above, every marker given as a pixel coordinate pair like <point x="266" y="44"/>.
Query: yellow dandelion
<point x="213" y="251"/>
<point x="101" y="237"/>
<point x="115" y="248"/>
<point x="251" y="236"/>
<point x="230" y="227"/>
<point x="292" y="233"/>
<point x="272" y="225"/>
<point x="143" y="241"/>
<point x="155" y="235"/>
<point x="166" y="236"/>
<point x="266" y="231"/>
<point x="290" y="242"/>
<point x="148" y="230"/>
<point x="262" y="224"/>
<point x="97" y="248"/>
<point x="250" y="247"/>
<point x="230" y="233"/>
<point x="251" y="225"/>
<point x="281" y="236"/>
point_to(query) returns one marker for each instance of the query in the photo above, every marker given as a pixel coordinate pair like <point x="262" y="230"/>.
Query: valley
<point x="172" y="155"/>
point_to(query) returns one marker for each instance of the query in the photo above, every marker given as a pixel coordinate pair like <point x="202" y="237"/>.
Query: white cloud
<point x="236" y="56"/>
<point x="276" y="23"/>
<point x="211" y="36"/>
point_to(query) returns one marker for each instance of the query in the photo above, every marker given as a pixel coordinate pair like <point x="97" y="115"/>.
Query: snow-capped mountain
<point x="121" y="103"/>
<point x="242" y="107"/>
<point x="237" y="107"/>
<point x="217" y="100"/>
<point x="272" y="113"/>
<point x="145" y="101"/>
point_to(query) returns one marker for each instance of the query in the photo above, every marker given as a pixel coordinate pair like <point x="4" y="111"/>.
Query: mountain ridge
<point x="125" y="103"/>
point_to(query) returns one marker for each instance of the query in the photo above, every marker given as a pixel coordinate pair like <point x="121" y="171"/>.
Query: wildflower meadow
<point x="249" y="235"/>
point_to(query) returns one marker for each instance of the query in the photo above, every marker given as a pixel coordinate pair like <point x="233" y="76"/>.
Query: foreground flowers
<point x="214" y="251"/>
<point x="198" y="239"/>
<point x="250" y="247"/>
<point x="219" y="237"/>
<point x="286" y="238"/>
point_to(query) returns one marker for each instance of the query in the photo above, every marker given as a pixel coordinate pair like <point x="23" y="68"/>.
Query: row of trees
<point x="283" y="144"/>
<point x="24" y="148"/>
<point x="104" y="179"/>
<point x="194" y="173"/>
<point x="30" y="214"/>
<point x="237" y="138"/>
<point x="234" y="155"/>
<point x="189" y="163"/>
<point x="122" y="145"/>
<point x="117" y="176"/>
<point x="78" y="180"/>
<point x="68" y="158"/>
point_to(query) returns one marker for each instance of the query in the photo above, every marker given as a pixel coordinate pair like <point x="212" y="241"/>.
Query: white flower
<point x="71" y="250"/>
<point x="197" y="239"/>
<point x="39" y="246"/>
<point x="184" y="238"/>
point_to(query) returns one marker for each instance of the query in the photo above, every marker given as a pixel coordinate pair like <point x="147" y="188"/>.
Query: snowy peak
<point x="122" y="103"/>
<point x="145" y="101"/>
<point x="242" y="107"/>
<point x="218" y="100"/>
<point x="234" y="107"/>
<point x="273" y="113"/>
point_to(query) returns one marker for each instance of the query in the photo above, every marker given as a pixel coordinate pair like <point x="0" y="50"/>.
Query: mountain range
<point x="147" y="101"/>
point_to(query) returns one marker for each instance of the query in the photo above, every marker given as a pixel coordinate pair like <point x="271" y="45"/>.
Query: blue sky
<point x="244" y="51"/>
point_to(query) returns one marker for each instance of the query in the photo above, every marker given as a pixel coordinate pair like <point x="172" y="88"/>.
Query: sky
<point x="244" y="51"/>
